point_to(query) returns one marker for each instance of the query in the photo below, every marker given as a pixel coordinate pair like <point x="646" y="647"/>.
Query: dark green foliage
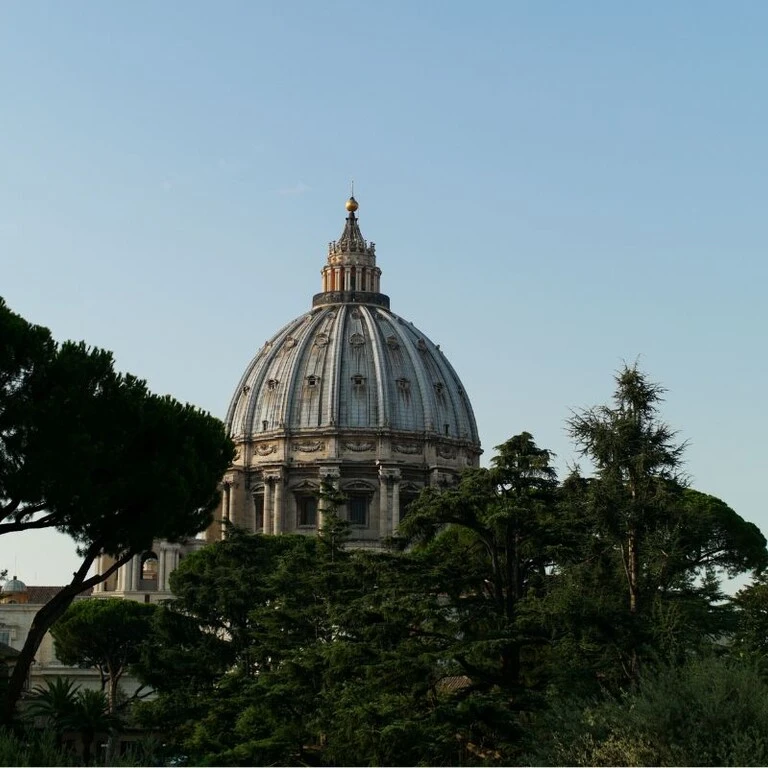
<point x="750" y="636"/>
<point x="511" y="597"/>
<point x="504" y="525"/>
<point x="106" y="634"/>
<point x="706" y="711"/>
<point x="33" y="748"/>
<point x="521" y="621"/>
<point x="68" y="708"/>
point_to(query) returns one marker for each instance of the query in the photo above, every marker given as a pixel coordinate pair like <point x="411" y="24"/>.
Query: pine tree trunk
<point x="112" y="693"/>
<point x="44" y="620"/>
<point x="633" y="571"/>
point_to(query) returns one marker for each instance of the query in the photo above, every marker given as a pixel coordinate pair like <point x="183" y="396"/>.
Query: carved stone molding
<point x="308" y="447"/>
<point x="409" y="448"/>
<point x="265" y="450"/>
<point x="358" y="447"/>
<point x="359" y="486"/>
<point x="389" y="473"/>
<point x="446" y="451"/>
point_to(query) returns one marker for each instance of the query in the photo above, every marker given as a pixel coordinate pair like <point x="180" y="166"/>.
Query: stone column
<point x="277" y="519"/>
<point x="396" y="503"/>
<point x="161" y="570"/>
<point x="268" y="492"/>
<point x="226" y="495"/>
<point x="120" y="586"/>
<point x="128" y="578"/>
<point x="136" y="572"/>
<point x="383" y="504"/>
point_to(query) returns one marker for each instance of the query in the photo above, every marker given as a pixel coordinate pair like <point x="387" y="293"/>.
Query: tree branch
<point x="44" y="522"/>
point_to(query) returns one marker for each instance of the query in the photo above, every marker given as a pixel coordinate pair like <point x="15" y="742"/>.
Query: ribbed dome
<point x="348" y="366"/>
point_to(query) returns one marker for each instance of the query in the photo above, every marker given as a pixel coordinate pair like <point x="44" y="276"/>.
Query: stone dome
<point x="351" y="366"/>
<point x="349" y="393"/>
<point x="14" y="586"/>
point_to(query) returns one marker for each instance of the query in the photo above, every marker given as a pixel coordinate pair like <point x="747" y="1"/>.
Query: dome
<point x="14" y="586"/>
<point x="351" y="394"/>
<point x="351" y="366"/>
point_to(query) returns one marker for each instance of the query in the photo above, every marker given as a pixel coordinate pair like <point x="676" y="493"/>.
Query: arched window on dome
<point x="148" y="571"/>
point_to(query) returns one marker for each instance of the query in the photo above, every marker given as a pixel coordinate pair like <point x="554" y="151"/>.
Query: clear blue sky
<point x="553" y="188"/>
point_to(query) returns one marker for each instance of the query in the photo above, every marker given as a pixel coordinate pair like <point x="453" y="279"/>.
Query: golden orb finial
<point x="352" y="204"/>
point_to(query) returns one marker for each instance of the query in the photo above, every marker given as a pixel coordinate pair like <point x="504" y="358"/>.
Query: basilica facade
<point x="349" y="393"/>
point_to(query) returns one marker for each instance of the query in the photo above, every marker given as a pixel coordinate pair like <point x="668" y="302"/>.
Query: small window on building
<point x="358" y="381"/>
<point x="146" y="598"/>
<point x="447" y="428"/>
<point x="357" y="509"/>
<point x="264" y="426"/>
<point x="307" y="511"/>
<point x="272" y="384"/>
<point x="312" y="380"/>
<point x="258" y="503"/>
<point x="5" y="636"/>
<point x="439" y="387"/>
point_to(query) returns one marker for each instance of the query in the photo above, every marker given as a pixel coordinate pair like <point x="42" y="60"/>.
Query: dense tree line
<point x="517" y="619"/>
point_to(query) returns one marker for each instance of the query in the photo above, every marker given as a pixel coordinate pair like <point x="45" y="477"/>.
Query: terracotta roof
<point x="41" y="595"/>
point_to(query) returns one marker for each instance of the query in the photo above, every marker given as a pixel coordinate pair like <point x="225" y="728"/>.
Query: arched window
<point x="148" y="571"/>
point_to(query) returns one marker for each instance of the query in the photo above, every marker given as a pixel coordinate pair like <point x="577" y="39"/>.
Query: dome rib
<point x="377" y="359"/>
<point x="428" y="411"/>
<point x="337" y="340"/>
<point x="297" y="363"/>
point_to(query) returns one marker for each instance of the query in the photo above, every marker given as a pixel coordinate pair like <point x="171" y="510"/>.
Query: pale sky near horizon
<point x="553" y="188"/>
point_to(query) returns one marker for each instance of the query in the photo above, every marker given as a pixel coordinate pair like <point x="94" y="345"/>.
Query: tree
<point x="750" y="636"/>
<point x="507" y="515"/>
<point x="106" y="634"/>
<point x="94" y="454"/>
<point x="667" y="543"/>
<point x="67" y="707"/>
